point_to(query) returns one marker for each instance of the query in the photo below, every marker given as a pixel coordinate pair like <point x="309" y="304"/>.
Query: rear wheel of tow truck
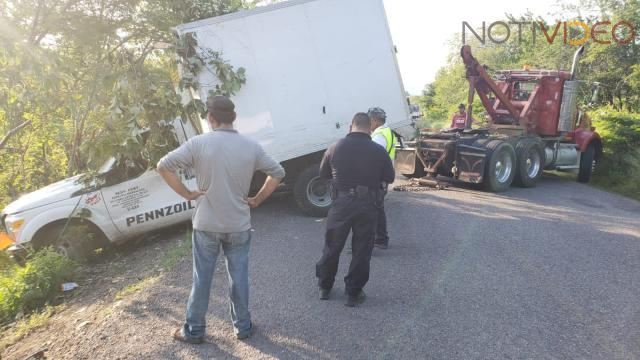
<point x="530" y="162"/>
<point x="587" y="164"/>
<point x="311" y="193"/>
<point x="500" y="168"/>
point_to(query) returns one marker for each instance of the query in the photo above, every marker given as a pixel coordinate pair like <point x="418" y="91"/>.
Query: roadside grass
<point x="628" y="187"/>
<point x="173" y="256"/>
<point x="176" y="253"/>
<point x="136" y="287"/>
<point x="26" y="325"/>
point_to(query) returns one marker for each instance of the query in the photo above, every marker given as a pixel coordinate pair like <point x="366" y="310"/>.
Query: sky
<point x="422" y="29"/>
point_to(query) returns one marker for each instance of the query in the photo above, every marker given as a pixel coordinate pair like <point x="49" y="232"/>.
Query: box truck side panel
<point x="289" y="67"/>
<point x="357" y="59"/>
<point x="311" y="65"/>
<point x="233" y="39"/>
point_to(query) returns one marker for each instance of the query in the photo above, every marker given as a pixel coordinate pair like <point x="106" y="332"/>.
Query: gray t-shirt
<point x="224" y="163"/>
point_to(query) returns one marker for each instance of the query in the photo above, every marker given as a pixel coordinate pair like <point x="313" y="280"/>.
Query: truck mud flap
<point x="470" y="162"/>
<point x="405" y="161"/>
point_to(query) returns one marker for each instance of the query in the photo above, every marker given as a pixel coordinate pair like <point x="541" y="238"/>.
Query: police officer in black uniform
<point x="356" y="166"/>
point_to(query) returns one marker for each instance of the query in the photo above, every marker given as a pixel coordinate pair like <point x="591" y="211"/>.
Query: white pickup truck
<point x="132" y="201"/>
<point x="310" y="65"/>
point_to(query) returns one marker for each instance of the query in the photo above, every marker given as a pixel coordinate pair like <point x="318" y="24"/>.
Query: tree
<point x="81" y="75"/>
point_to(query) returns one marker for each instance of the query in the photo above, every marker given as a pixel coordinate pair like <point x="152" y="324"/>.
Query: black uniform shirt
<point x="356" y="160"/>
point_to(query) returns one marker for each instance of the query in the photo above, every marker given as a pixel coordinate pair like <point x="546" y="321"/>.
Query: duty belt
<point x="360" y="192"/>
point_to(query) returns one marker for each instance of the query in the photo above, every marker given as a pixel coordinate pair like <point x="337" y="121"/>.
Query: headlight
<point x="14" y="224"/>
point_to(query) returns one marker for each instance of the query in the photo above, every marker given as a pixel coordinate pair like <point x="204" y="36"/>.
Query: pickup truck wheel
<point x="78" y="241"/>
<point x="312" y="194"/>
<point x="587" y="164"/>
<point x="530" y="162"/>
<point x="500" y="168"/>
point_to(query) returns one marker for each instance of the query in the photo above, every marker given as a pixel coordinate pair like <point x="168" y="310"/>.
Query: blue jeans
<point x="206" y="247"/>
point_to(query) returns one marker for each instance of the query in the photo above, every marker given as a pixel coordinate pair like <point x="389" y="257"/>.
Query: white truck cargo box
<point x="310" y="66"/>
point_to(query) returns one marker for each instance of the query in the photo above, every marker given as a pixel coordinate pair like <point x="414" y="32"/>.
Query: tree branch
<point x="12" y="132"/>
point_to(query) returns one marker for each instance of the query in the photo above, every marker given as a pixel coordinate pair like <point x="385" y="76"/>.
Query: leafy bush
<point x="6" y="263"/>
<point x="24" y="289"/>
<point x="619" y="170"/>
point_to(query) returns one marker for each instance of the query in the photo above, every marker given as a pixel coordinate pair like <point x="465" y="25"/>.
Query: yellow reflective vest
<point x="390" y="140"/>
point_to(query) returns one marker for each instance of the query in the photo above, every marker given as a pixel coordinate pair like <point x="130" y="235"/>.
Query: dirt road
<point x="551" y="272"/>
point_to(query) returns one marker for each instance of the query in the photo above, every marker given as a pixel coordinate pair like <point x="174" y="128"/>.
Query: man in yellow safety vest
<point x="385" y="137"/>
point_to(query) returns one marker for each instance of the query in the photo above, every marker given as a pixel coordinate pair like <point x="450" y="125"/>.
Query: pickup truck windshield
<point x="107" y="166"/>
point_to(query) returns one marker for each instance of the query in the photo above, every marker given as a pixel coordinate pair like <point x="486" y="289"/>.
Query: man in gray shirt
<point x="224" y="163"/>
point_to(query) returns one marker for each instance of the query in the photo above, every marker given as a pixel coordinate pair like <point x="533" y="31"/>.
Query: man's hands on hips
<point x="193" y="195"/>
<point x="254" y="202"/>
<point x="174" y="182"/>
<point x="268" y="188"/>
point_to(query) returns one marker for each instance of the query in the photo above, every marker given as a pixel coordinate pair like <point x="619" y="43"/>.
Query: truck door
<point x="139" y="200"/>
<point x="144" y="203"/>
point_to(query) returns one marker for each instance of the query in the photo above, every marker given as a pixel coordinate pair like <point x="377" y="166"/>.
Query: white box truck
<point x="310" y="65"/>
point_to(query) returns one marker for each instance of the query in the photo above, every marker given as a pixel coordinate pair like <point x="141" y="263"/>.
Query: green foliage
<point x="6" y="263"/>
<point x="193" y="60"/>
<point x="25" y="289"/>
<point x="86" y="80"/>
<point x="615" y="67"/>
<point x="619" y="170"/>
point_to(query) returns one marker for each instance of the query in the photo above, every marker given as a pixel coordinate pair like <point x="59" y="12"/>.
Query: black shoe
<point x="383" y="246"/>
<point x="324" y="293"/>
<point x="245" y="334"/>
<point x="352" y="301"/>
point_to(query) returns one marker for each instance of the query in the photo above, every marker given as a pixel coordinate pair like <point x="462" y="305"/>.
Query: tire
<point x="500" y="168"/>
<point x="312" y="195"/>
<point x="78" y="242"/>
<point x="530" y="158"/>
<point x="587" y="164"/>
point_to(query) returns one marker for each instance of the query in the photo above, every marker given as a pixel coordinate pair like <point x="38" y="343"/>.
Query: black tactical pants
<point x="348" y="214"/>
<point x="382" y="237"/>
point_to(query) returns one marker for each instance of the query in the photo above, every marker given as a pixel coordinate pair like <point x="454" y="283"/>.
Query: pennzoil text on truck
<point x="304" y="81"/>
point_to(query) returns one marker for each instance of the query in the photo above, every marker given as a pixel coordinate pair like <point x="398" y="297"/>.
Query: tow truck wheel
<point x="312" y="194"/>
<point x="587" y="164"/>
<point x="501" y="166"/>
<point x="530" y="162"/>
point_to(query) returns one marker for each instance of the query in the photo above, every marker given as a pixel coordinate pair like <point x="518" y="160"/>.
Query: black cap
<point x="461" y="106"/>
<point x="222" y="108"/>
